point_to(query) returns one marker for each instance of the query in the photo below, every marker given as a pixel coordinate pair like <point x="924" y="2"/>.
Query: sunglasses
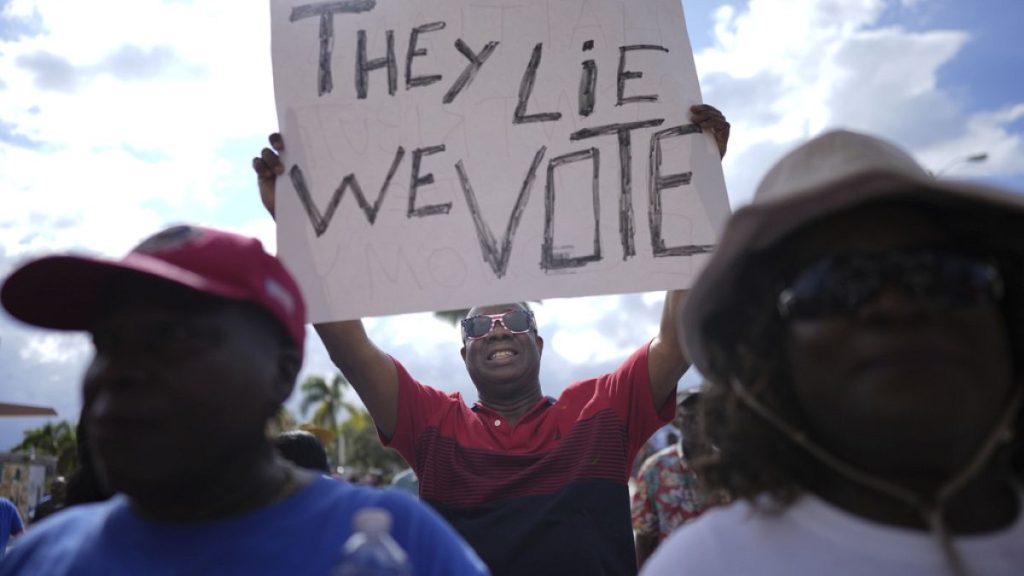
<point x="841" y="285"/>
<point x="514" y="321"/>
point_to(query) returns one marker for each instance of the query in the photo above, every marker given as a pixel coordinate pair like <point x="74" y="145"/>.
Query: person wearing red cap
<point x="198" y="338"/>
<point x="861" y="324"/>
<point x="536" y="485"/>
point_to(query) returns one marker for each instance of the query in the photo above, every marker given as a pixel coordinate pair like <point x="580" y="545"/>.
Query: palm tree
<point x="329" y="400"/>
<point x="53" y="440"/>
<point x="363" y="450"/>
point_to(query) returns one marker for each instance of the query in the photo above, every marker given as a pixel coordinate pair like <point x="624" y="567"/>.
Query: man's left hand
<point x="713" y="122"/>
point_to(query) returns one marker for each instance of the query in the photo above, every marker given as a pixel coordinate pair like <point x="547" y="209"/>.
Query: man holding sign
<point x="536" y="485"/>
<point x="458" y="116"/>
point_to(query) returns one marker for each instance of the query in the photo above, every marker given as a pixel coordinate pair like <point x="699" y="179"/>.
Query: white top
<point x="813" y="537"/>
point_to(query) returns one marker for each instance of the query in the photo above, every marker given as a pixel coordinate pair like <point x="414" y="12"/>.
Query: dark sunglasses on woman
<point x="841" y="285"/>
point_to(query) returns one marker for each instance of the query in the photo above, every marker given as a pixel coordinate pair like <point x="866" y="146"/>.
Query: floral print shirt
<point x="666" y="493"/>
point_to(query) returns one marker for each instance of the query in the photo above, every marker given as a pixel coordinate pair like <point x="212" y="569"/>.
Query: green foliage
<point x="363" y="449"/>
<point x="329" y="400"/>
<point x="52" y="440"/>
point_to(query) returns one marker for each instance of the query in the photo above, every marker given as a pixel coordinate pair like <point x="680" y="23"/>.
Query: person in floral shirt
<point x="667" y="492"/>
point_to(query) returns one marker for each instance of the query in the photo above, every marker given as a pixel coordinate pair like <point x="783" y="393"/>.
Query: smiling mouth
<point x="501" y="355"/>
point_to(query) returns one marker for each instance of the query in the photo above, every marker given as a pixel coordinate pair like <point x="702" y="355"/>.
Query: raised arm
<point x="666" y="361"/>
<point x="370" y="371"/>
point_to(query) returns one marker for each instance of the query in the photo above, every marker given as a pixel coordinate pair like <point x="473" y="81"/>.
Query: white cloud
<point x="984" y="133"/>
<point x="54" y="349"/>
<point x="784" y="75"/>
<point x="589" y="331"/>
<point x="584" y="346"/>
<point x="40" y="367"/>
<point x="157" y="90"/>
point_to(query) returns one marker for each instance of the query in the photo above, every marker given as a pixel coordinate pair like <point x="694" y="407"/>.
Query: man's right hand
<point x="268" y="167"/>
<point x="371" y="372"/>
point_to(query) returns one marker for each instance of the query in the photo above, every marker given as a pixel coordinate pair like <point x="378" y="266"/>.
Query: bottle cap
<point x="372" y="520"/>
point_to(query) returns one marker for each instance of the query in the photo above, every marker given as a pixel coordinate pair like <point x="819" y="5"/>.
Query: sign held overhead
<point x="416" y="130"/>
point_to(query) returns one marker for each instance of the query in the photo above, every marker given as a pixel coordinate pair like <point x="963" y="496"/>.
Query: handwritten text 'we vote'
<point x="497" y="254"/>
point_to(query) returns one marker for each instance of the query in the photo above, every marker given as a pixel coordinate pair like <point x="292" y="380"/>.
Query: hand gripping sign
<point x="442" y="154"/>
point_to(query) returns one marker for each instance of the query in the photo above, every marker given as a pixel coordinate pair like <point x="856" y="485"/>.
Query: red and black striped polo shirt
<point x="547" y="495"/>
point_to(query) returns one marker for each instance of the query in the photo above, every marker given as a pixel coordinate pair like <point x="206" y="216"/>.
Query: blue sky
<point x="985" y="68"/>
<point x="113" y="126"/>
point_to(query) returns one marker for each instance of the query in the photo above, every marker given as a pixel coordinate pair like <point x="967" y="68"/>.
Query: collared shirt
<point x="666" y="494"/>
<point x="499" y="422"/>
<point x="548" y="494"/>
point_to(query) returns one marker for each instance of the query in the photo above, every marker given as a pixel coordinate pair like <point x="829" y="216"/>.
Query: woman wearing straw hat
<point x="862" y="325"/>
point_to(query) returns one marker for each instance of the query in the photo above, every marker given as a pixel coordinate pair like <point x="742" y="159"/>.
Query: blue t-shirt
<point x="302" y="534"/>
<point x="10" y="523"/>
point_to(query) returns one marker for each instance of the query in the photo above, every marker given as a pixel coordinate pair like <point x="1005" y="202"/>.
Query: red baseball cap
<point x="65" y="292"/>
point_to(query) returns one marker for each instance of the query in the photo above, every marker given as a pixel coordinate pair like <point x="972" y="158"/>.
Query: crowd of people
<point x="860" y="326"/>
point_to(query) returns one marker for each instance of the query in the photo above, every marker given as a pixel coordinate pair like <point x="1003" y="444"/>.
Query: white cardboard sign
<point x="443" y="154"/>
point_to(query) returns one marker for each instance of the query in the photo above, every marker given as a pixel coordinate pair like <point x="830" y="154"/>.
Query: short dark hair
<point x="524" y="305"/>
<point x="302" y="449"/>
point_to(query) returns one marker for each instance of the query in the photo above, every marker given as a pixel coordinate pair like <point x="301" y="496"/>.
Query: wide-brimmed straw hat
<point x="830" y="174"/>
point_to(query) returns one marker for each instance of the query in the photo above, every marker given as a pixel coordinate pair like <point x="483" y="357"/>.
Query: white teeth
<point x="502" y="354"/>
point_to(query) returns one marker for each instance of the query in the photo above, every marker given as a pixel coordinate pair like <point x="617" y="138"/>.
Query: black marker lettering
<point x="626" y="226"/>
<point x="324" y="80"/>
<point x="526" y="88"/>
<point x="588" y="82"/>
<point x="627" y="74"/>
<point x="418" y="181"/>
<point x="320" y="8"/>
<point x="498" y="259"/>
<point x="549" y="260"/>
<point x="658" y="182"/>
<point x="326" y="11"/>
<point x="320" y="221"/>
<point x="413" y="52"/>
<point x="475" y="62"/>
<point x="364" y="66"/>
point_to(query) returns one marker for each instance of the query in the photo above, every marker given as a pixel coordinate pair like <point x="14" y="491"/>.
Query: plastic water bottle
<point x="371" y="551"/>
